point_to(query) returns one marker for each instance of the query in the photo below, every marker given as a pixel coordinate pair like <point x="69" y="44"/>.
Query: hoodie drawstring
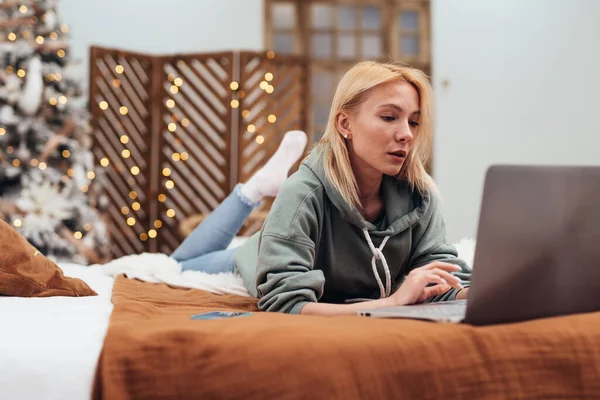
<point x="378" y="255"/>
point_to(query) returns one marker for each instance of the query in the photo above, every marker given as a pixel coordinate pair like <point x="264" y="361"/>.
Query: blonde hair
<point x="351" y="91"/>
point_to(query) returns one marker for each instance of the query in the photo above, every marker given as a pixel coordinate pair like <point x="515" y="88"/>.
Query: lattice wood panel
<point x="184" y="140"/>
<point x="272" y="100"/>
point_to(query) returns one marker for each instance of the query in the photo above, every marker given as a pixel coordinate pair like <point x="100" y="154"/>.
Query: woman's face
<point x="381" y="131"/>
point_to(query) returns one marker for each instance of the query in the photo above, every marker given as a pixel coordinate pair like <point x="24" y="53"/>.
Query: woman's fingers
<point x="451" y="279"/>
<point x="443" y="265"/>
<point x="436" y="290"/>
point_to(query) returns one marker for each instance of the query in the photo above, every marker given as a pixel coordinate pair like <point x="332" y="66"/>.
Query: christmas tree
<point x="48" y="181"/>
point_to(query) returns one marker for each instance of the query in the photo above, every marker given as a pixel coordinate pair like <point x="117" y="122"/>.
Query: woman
<point x="358" y="225"/>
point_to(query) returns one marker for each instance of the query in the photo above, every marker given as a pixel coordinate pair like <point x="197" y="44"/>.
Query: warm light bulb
<point x="131" y="221"/>
<point x="54" y="36"/>
<point x="169" y="184"/>
<point x="53" y="101"/>
<point x="103" y="105"/>
<point x="136" y="206"/>
<point x="2" y="131"/>
<point x="260" y="139"/>
<point x="178" y="81"/>
<point x="60" y="53"/>
<point x="270" y="89"/>
<point x="132" y="195"/>
<point x="135" y="170"/>
<point x="85" y="188"/>
<point x="166" y="172"/>
<point x="170" y="103"/>
<point x="235" y="104"/>
<point x="57" y="76"/>
<point x="174" y="89"/>
<point x="234" y="85"/>
<point x="126" y="153"/>
<point x="176" y="157"/>
<point x="171" y="77"/>
<point x="12" y="37"/>
<point x="42" y="166"/>
<point x="104" y="162"/>
<point x="162" y="198"/>
<point x="185" y="122"/>
<point x="23" y="9"/>
<point x="124" y="139"/>
<point x="71" y="172"/>
<point x="62" y="100"/>
<point x="39" y="40"/>
<point x="152" y="233"/>
<point x="123" y="110"/>
<point x="77" y="235"/>
<point x="119" y="69"/>
<point x="270" y="54"/>
<point x="272" y="118"/>
<point x="17" y="223"/>
<point x="16" y="162"/>
<point x="143" y="237"/>
<point x="64" y="29"/>
<point x="264" y="85"/>
<point x="66" y="153"/>
<point x="251" y="128"/>
<point x="172" y="127"/>
<point x="34" y="162"/>
<point x="87" y="227"/>
<point x="116" y="83"/>
<point x="91" y="175"/>
<point x="245" y="113"/>
<point x="124" y="210"/>
<point x="184" y="156"/>
<point x="21" y="73"/>
<point x="170" y="213"/>
<point x="157" y="224"/>
<point x="268" y="77"/>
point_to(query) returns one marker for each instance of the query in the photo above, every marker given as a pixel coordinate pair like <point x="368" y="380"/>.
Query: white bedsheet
<point x="49" y="347"/>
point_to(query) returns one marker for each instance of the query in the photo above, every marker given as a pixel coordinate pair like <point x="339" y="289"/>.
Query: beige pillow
<point x="25" y="272"/>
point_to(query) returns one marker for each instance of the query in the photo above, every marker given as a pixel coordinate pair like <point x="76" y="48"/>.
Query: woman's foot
<point x="267" y="181"/>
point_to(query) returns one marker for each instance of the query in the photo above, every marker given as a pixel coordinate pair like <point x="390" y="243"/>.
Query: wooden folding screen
<point x="176" y="133"/>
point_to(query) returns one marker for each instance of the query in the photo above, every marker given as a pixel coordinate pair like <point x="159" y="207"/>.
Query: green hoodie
<point x="313" y="246"/>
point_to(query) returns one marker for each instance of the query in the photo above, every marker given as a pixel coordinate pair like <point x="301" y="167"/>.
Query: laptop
<point x="537" y="252"/>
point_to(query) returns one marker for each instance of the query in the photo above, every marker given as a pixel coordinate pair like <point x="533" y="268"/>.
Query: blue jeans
<point x="205" y="249"/>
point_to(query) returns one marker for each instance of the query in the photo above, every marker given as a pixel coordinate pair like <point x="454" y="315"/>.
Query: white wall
<point x="164" y="27"/>
<point x="523" y="84"/>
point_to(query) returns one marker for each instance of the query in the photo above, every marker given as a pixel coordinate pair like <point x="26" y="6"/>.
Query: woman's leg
<point x="219" y="228"/>
<point x="212" y="263"/>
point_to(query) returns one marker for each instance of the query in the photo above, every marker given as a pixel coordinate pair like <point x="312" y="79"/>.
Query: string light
<point x="54" y="36"/>
<point x="39" y="40"/>
<point x="272" y="118"/>
<point x="185" y="122"/>
<point x="91" y="175"/>
<point x="184" y="156"/>
<point x="62" y="100"/>
<point x="169" y="184"/>
<point x="23" y="9"/>
<point x="136" y="206"/>
<point x="170" y="103"/>
<point x="176" y="157"/>
<point x="84" y="188"/>
<point x="131" y="221"/>
<point x="60" y="53"/>
<point x="143" y="237"/>
<point x="87" y="227"/>
<point x="251" y="128"/>
<point x="126" y="153"/>
<point x="268" y="77"/>
<point x="124" y="210"/>
<point x="104" y="162"/>
<point x="12" y="37"/>
<point x="70" y="172"/>
<point x="178" y="81"/>
<point x="21" y="73"/>
<point x="152" y="233"/>
<point x="241" y="94"/>
<point x="245" y="113"/>
<point x="34" y="162"/>
<point x="171" y="77"/>
<point x="42" y="166"/>
<point x="77" y="235"/>
<point x="124" y="139"/>
<point x="132" y="195"/>
<point x="162" y="198"/>
<point x="103" y="105"/>
<point x="166" y="172"/>
<point x="135" y="170"/>
<point x="16" y="162"/>
<point x="172" y="127"/>
<point x="270" y="54"/>
<point x="26" y="34"/>
<point x="64" y="29"/>
<point x="10" y="69"/>
<point x="53" y="101"/>
<point x="2" y="131"/>
<point x="123" y="110"/>
<point x="119" y="69"/>
<point x="57" y="76"/>
<point x="66" y="153"/>
<point x="263" y="85"/>
<point x="174" y="89"/>
<point x="158" y="224"/>
<point x="260" y="139"/>
<point x="170" y="213"/>
<point x="235" y="104"/>
<point x="270" y="89"/>
<point x="17" y="223"/>
<point x="116" y="83"/>
<point x="234" y="85"/>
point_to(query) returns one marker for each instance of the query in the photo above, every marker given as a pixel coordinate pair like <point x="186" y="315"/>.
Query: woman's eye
<point x="388" y="118"/>
<point x="414" y="124"/>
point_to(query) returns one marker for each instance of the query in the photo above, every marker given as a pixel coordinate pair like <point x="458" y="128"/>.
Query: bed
<point x="49" y="346"/>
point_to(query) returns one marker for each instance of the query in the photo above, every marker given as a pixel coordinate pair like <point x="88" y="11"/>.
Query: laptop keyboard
<point x="444" y="310"/>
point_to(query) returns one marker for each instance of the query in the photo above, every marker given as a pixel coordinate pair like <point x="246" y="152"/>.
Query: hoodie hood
<point x="404" y="207"/>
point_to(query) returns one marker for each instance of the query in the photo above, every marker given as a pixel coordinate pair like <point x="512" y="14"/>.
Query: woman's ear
<point x="343" y="125"/>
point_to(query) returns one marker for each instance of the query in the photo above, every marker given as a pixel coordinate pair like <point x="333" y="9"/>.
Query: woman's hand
<point x="415" y="287"/>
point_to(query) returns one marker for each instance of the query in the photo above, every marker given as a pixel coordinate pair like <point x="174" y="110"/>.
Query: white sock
<point x="268" y="180"/>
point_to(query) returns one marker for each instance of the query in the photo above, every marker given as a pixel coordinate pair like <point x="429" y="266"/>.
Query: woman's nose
<point x="404" y="133"/>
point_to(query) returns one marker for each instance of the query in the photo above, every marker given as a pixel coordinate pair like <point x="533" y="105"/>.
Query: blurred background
<point x="514" y="81"/>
